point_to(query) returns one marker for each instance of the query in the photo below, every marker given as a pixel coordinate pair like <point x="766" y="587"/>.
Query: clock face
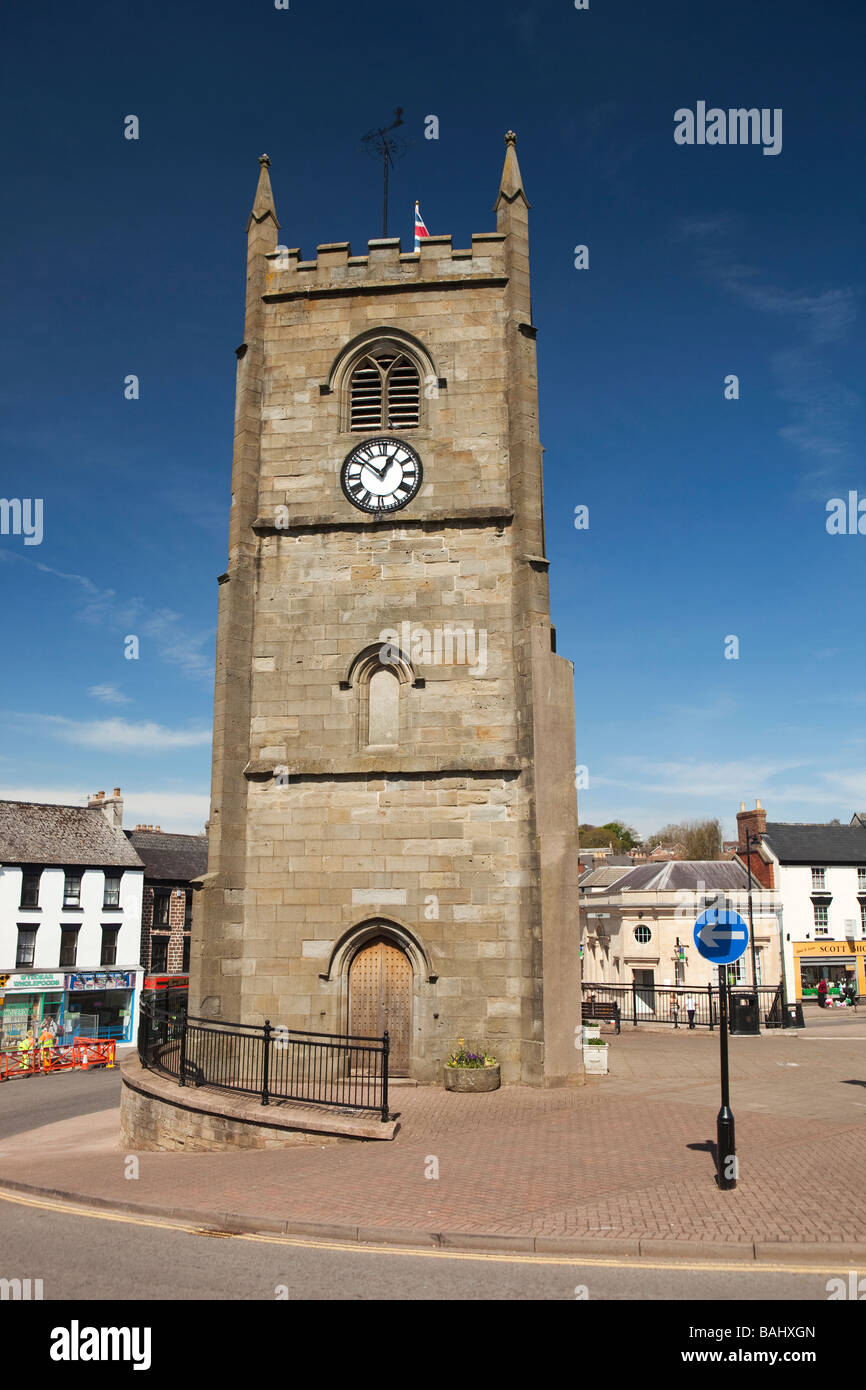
<point x="381" y="475"/>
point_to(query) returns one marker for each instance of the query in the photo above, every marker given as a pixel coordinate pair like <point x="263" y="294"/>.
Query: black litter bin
<point x="794" y="1016"/>
<point x="745" y="1015"/>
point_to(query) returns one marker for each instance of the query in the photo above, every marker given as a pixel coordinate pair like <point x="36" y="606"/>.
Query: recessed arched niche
<point x="382" y="676"/>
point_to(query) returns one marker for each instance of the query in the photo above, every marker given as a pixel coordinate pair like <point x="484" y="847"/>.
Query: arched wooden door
<point x="380" y="997"/>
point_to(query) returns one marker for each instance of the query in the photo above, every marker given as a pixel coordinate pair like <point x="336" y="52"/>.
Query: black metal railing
<point x="159" y="1031"/>
<point x="775" y="1016"/>
<point x="271" y="1062"/>
<point x="668" y="1003"/>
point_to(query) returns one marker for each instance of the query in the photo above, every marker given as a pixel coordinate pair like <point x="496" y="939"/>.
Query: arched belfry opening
<point x="384" y="391"/>
<point x="384" y="380"/>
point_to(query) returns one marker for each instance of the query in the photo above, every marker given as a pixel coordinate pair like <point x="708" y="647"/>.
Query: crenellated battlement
<point x="385" y="263"/>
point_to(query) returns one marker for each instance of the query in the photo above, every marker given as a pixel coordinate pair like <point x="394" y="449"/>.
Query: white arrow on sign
<point x="717" y="935"/>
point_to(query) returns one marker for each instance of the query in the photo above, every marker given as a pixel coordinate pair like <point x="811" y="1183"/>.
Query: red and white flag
<point x="420" y="229"/>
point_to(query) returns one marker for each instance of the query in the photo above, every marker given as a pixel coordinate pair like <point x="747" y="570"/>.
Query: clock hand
<point x="380" y="472"/>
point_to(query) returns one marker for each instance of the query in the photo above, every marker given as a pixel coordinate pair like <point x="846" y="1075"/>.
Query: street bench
<point x="597" y="1011"/>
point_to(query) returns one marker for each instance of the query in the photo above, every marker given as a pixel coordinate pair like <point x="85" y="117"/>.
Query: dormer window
<point x="385" y="392"/>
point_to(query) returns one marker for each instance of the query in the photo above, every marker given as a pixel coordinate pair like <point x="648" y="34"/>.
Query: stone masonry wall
<point x="149" y="1124"/>
<point x="443" y="857"/>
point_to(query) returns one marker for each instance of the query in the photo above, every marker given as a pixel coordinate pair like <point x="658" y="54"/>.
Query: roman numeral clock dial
<point x="381" y="475"/>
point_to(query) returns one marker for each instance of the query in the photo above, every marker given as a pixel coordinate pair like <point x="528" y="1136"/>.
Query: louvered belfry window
<point x="385" y="392"/>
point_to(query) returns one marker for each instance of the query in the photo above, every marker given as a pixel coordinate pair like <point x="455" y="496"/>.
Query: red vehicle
<point x="160" y="983"/>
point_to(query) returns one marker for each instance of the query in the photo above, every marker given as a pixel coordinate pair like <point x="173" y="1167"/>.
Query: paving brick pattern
<point x="624" y="1157"/>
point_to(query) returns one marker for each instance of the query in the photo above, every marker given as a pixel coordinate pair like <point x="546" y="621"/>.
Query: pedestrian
<point x="675" y="1011"/>
<point x="25" y="1053"/>
<point x="690" y="1009"/>
<point x="46" y="1043"/>
<point x="822" y="993"/>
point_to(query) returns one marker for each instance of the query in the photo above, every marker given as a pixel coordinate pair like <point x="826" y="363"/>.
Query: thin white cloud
<point x="721" y="708"/>
<point x="109" y="695"/>
<point x="708" y="780"/>
<point x="822" y="409"/>
<point x="87" y="584"/>
<point x="649" y="793"/>
<point x="173" y="641"/>
<point x="180" y="812"/>
<point x="115" y="735"/>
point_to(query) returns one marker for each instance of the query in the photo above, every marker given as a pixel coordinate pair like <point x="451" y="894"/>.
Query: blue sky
<point x="707" y="516"/>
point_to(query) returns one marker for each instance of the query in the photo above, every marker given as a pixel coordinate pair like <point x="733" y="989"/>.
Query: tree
<point x="615" y="834"/>
<point x="693" y="839"/>
<point x="668" y="836"/>
<point x="597" y="837"/>
<point x="627" y="836"/>
<point x="702" y="839"/>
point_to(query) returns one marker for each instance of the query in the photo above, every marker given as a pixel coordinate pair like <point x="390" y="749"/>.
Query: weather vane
<point x="381" y="144"/>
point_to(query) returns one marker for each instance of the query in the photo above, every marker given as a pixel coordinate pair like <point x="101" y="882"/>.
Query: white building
<point x="70" y="920"/>
<point x="818" y="873"/>
<point x="638" y="924"/>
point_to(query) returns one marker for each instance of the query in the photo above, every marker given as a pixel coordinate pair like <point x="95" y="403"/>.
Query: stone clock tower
<point x="393" y="830"/>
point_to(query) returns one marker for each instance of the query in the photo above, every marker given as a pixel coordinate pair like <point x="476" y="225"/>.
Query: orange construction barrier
<point x="60" y="1058"/>
<point x="82" y="1052"/>
<point x="94" y="1052"/>
<point x="14" y="1064"/>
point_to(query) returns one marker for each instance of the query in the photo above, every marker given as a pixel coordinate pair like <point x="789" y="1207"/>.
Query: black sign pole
<point x="726" y="1158"/>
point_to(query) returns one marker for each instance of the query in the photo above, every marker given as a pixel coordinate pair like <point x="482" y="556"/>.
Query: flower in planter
<point x="472" y="1056"/>
<point x="595" y="1042"/>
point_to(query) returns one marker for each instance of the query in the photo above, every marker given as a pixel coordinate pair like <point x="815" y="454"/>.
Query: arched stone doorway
<point x="380" y="997"/>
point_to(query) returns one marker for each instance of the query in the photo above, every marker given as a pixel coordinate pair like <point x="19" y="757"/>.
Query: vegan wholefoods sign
<point x="33" y="983"/>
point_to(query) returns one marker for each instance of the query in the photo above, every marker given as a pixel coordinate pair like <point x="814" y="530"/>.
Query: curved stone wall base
<point x="157" y="1114"/>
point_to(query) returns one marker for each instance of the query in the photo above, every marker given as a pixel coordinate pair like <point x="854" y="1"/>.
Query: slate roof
<point x="178" y="858"/>
<point x="32" y="832"/>
<point x="602" y="878"/>
<point x="683" y="875"/>
<point x="817" y="844"/>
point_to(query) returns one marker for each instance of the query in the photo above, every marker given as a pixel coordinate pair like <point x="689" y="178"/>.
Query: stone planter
<point x="595" y="1060"/>
<point x="472" y="1078"/>
<point x="591" y="1030"/>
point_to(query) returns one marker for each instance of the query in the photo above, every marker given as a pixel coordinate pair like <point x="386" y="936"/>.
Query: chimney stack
<point x="750" y="822"/>
<point x="754" y="823"/>
<point x="111" y="807"/>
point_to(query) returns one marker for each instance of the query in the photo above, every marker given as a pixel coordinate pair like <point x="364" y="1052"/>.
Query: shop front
<point x="28" y="1000"/>
<point x="834" y="961"/>
<point x="100" y="1004"/>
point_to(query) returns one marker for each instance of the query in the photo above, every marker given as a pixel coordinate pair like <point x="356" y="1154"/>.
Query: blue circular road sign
<point x="721" y="936"/>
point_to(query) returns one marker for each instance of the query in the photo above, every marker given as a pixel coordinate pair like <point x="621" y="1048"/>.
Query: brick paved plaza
<point x="623" y="1158"/>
